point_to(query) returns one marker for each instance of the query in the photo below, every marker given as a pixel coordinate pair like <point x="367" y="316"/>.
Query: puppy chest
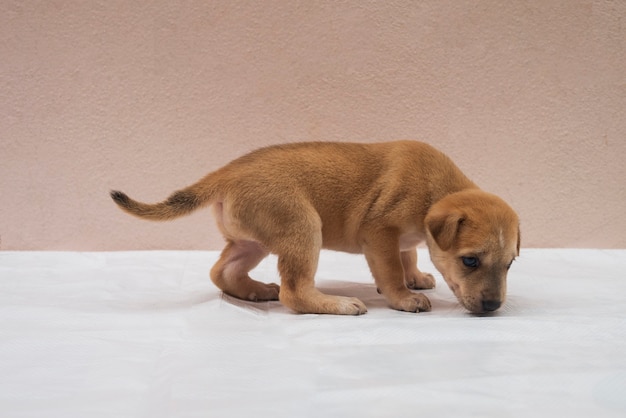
<point x="411" y="239"/>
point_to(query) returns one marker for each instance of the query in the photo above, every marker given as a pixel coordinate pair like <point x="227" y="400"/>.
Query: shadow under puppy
<point x="380" y="200"/>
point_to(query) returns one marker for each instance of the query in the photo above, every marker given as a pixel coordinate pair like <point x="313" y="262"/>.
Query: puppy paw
<point x="315" y="302"/>
<point x="416" y="302"/>
<point x="350" y="306"/>
<point x="265" y="292"/>
<point x="419" y="280"/>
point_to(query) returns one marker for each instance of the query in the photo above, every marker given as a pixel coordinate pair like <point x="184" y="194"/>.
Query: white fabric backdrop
<point x="146" y="334"/>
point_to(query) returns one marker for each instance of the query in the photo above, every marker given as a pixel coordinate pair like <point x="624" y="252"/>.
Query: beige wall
<point x="527" y="96"/>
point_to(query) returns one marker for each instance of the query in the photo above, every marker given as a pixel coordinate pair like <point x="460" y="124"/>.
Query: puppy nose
<point x="491" y="305"/>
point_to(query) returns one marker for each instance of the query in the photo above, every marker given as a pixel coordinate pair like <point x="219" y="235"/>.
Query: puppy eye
<point x="470" y="261"/>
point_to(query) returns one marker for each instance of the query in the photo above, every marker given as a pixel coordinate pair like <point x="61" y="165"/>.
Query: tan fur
<point x="377" y="199"/>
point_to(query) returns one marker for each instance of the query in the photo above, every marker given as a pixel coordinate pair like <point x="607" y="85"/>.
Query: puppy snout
<point x="491" y="305"/>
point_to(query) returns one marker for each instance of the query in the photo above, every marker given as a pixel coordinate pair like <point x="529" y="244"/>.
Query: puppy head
<point x="473" y="237"/>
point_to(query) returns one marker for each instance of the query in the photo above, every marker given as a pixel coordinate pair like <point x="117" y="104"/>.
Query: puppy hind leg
<point x="230" y="273"/>
<point x="413" y="277"/>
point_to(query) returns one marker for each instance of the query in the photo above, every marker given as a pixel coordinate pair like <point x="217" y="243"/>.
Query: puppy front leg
<point x="414" y="278"/>
<point x="298" y="292"/>
<point x="382" y="252"/>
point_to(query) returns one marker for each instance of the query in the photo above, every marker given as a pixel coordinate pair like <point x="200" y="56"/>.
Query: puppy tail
<point x="179" y="203"/>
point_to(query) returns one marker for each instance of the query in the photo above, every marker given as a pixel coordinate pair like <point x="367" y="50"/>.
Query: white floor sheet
<point x="146" y="334"/>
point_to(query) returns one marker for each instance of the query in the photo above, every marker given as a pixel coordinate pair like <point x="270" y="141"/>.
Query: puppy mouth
<point x="453" y="286"/>
<point x="473" y="305"/>
<point x="480" y="307"/>
<point x="457" y="293"/>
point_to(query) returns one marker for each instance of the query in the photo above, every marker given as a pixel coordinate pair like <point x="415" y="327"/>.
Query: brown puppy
<point x="377" y="199"/>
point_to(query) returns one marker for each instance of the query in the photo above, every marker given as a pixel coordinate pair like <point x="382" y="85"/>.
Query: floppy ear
<point x="443" y="226"/>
